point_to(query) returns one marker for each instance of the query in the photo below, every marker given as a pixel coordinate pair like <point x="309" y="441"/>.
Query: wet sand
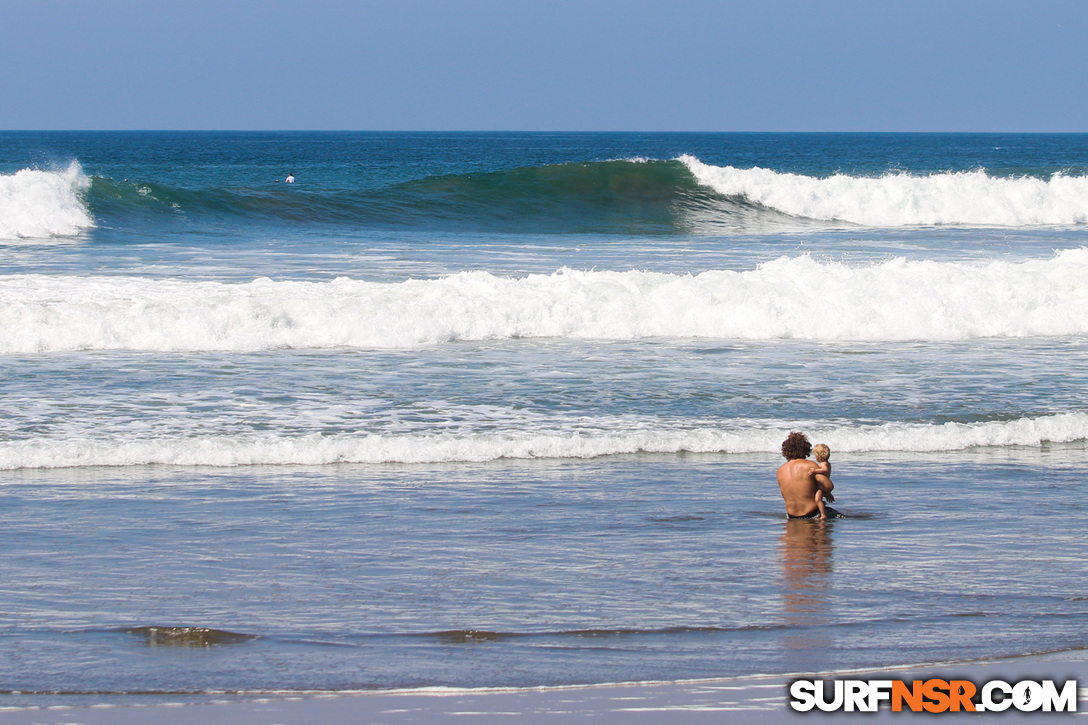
<point x="735" y="700"/>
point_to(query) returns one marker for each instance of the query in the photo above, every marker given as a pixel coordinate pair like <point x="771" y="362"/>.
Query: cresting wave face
<point x="602" y="197"/>
<point x="897" y="300"/>
<point x="37" y="204"/>
<point x="618" y="196"/>
<point x="606" y="438"/>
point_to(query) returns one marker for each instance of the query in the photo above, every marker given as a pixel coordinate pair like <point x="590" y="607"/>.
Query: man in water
<point x="797" y="480"/>
<point x="290" y="178"/>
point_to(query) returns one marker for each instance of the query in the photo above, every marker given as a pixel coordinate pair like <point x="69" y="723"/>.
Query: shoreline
<point x="754" y="698"/>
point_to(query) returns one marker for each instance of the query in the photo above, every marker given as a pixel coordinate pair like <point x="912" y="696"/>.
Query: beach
<point x="740" y="700"/>
<point x="492" y="420"/>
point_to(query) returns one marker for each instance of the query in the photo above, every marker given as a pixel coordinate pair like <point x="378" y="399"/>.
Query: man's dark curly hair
<point x="796" y="446"/>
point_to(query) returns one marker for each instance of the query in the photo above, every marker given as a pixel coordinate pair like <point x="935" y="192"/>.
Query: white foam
<point x="605" y="439"/>
<point x="35" y="204"/>
<point x="968" y="198"/>
<point x="798" y="298"/>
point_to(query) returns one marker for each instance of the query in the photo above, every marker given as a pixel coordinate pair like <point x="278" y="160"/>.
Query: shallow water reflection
<point x="805" y="551"/>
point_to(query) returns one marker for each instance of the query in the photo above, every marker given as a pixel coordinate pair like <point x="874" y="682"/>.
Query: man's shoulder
<point x="795" y="469"/>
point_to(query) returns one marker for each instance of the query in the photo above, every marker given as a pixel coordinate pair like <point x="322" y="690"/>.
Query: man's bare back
<point x="797" y="483"/>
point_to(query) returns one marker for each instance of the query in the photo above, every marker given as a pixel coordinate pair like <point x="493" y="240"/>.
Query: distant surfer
<point x="290" y="179"/>
<point x="802" y="481"/>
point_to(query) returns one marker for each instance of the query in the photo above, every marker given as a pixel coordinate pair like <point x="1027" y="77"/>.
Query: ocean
<point x="483" y="410"/>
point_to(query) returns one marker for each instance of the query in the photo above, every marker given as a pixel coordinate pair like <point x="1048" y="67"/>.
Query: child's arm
<point x="823" y="467"/>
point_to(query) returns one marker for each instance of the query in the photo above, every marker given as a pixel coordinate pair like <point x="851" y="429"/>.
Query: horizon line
<point x="521" y="131"/>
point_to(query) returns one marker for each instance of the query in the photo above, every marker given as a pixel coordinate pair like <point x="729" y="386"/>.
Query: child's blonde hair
<point x="821" y="451"/>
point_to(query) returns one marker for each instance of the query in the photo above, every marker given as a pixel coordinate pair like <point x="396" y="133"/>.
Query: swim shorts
<point x="831" y="514"/>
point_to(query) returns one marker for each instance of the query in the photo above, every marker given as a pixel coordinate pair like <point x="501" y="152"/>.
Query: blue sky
<point x="547" y="65"/>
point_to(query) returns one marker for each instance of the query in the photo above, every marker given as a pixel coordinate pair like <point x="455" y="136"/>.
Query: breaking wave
<point x="893" y="300"/>
<point x="648" y="197"/>
<point x="36" y="204"/>
<point x="649" y="436"/>
<point x="610" y="197"/>
<point x="965" y="198"/>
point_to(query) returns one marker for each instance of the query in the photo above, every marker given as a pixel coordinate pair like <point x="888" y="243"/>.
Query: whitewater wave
<point x="317" y="449"/>
<point x="966" y="198"/>
<point x="36" y="204"/>
<point x="789" y="298"/>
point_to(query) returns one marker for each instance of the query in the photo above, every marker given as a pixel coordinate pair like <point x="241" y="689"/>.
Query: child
<point x="822" y="472"/>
